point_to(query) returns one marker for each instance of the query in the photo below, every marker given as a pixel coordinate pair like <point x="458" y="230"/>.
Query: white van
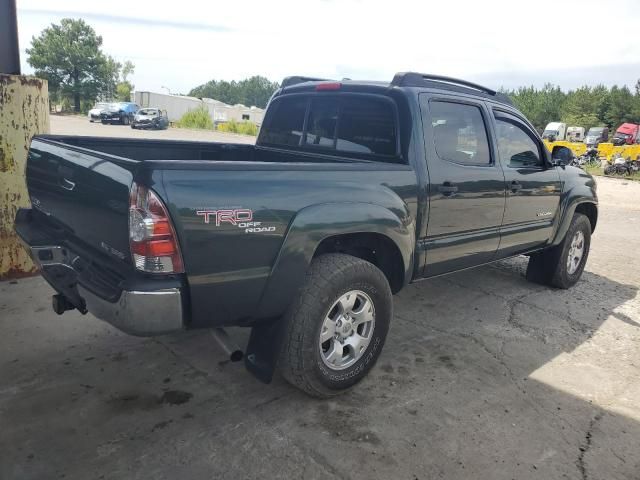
<point x="575" y="134"/>
<point x="555" y="131"/>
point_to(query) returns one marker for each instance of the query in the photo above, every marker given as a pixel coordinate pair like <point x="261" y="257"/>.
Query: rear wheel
<point x="337" y="326"/>
<point x="562" y="266"/>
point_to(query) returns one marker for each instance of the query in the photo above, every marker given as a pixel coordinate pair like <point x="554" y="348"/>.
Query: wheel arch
<point x="586" y="206"/>
<point x="591" y="211"/>
<point x="376" y="248"/>
<point x="364" y="230"/>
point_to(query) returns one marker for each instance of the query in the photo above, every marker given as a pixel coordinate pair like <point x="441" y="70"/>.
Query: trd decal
<point x="234" y="217"/>
<point x="240" y="217"/>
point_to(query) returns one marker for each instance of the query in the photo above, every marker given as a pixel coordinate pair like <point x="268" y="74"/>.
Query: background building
<point x="177" y="105"/>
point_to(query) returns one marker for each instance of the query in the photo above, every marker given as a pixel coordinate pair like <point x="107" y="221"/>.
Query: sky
<point x="499" y="43"/>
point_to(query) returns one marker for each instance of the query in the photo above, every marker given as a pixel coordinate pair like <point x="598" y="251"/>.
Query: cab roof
<point x="402" y="79"/>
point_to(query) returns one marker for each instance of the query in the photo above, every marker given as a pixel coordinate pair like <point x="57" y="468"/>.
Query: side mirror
<point x="561" y="155"/>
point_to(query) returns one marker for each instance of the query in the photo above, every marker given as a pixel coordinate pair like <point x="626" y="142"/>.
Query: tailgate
<point x="84" y="193"/>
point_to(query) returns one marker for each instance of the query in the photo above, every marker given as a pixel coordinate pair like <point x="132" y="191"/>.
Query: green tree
<point x="252" y="91"/>
<point x="69" y="56"/>
<point x="539" y="106"/>
<point x="620" y="107"/>
<point x="107" y="79"/>
<point x="125" y="87"/>
<point x="581" y="107"/>
<point x="585" y="107"/>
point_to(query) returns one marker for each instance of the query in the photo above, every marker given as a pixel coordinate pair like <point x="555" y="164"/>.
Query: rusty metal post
<point x="24" y="112"/>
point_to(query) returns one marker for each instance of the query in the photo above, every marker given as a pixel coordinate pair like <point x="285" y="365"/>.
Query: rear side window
<point x="362" y="125"/>
<point x="366" y="126"/>
<point x="459" y="133"/>
<point x="285" y="122"/>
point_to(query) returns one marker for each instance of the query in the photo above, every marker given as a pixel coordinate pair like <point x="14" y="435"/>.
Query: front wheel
<point x="562" y="266"/>
<point x="337" y="326"/>
<point x="125" y="120"/>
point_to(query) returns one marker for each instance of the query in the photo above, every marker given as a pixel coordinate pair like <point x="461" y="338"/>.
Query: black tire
<point x="550" y="267"/>
<point x="329" y="277"/>
<point x="125" y="120"/>
<point x="104" y="122"/>
<point x="133" y="127"/>
<point x="622" y="170"/>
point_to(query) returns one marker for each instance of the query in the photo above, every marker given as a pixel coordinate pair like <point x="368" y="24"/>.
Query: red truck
<point x="626" y="134"/>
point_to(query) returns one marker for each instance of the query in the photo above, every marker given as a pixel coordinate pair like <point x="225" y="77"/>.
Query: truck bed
<point x="80" y="187"/>
<point x="151" y="149"/>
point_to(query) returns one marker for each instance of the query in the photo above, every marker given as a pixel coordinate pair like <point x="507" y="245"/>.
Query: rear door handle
<point x="515" y="186"/>
<point x="447" y="189"/>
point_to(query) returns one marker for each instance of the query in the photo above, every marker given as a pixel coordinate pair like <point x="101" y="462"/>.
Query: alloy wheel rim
<point x="347" y="330"/>
<point x="576" y="252"/>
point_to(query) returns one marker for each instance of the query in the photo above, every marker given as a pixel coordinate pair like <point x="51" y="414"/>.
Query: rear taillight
<point x="153" y="241"/>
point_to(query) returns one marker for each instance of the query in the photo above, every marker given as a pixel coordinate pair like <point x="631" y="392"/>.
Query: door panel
<point x="533" y="187"/>
<point x="467" y="189"/>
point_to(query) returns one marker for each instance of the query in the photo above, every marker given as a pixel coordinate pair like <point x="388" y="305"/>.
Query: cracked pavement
<point x="483" y="376"/>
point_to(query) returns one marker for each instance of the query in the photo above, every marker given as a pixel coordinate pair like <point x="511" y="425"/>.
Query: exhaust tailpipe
<point x="227" y="345"/>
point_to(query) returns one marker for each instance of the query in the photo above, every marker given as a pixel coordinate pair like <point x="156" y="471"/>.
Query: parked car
<point x="119" y="112"/>
<point x="150" y="118"/>
<point x="353" y="190"/>
<point x="555" y="131"/>
<point x="575" y="134"/>
<point x="626" y="134"/>
<point x="596" y="136"/>
<point x="94" y="113"/>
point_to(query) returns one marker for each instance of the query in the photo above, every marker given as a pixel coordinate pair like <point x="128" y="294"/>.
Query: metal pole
<point x="9" y="49"/>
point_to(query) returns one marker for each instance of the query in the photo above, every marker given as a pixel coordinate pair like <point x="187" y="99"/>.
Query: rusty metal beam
<point x="24" y="112"/>
<point x="9" y="48"/>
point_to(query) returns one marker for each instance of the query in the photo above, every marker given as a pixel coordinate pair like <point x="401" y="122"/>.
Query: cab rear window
<point x="361" y="126"/>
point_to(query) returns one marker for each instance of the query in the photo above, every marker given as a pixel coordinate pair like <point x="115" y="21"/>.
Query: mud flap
<point x="264" y="347"/>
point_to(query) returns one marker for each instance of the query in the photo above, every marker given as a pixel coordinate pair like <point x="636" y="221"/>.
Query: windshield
<point x="101" y="105"/>
<point x="148" y="111"/>
<point x="595" y="131"/>
<point x="550" y="132"/>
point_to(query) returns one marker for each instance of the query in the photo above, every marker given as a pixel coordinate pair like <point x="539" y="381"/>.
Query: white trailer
<point x="175" y="105"/>
<point x="575" y="134"/>
<point x="221" y="112"/>
<point x="555" y="131"/>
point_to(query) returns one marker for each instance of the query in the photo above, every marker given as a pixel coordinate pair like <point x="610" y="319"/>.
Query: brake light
<point x="328" y="86"/>
<point x="153" y="241"/>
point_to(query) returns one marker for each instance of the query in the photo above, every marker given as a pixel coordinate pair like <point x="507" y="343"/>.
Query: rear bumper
<point x="139" y="306"/>
<point x="138" y="313"/>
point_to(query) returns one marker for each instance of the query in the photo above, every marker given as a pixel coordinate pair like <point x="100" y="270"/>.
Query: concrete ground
<point x="80" y="125"/>
<point x="483" y="376"/>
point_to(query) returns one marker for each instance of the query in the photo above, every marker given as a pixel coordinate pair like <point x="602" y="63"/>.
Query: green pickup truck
<point x="353" y="190"/>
